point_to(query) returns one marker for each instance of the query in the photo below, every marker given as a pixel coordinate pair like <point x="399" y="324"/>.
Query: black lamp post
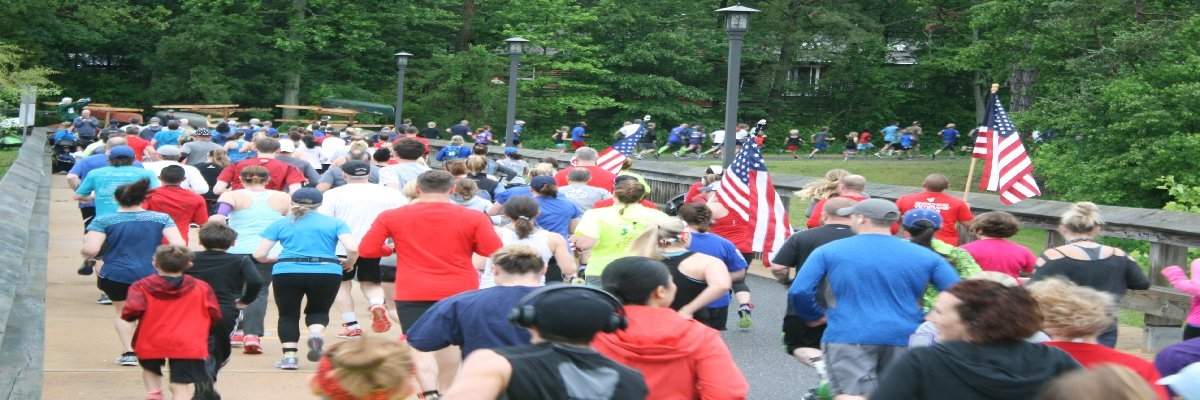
<point x="401" y="66"/>
<point x="737" y="22"/>
<point x="516" y="47"/>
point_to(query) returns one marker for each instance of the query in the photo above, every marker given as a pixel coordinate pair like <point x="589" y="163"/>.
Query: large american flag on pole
<point x="747" y="191"/>
<point x="611" y="158"/>
<point x="1007" y="169"/>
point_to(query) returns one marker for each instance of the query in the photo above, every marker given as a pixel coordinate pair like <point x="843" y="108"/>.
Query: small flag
<point x="614" y="156"/>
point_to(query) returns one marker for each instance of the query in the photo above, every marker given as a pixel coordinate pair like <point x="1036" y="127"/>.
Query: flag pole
<point x="971" y="170"/>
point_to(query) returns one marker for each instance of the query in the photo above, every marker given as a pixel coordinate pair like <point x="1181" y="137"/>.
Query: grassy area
<point x="7" y="156"/>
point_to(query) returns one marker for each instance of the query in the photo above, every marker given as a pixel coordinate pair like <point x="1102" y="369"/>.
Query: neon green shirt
<point x="958" y="258"/>
<point x="614" y="228"/>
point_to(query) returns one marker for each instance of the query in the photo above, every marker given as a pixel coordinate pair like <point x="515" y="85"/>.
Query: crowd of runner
<point x="526" y="279"/>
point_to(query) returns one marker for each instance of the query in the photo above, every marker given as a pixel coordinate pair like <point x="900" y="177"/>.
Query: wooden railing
<point x="1170" y="234"/>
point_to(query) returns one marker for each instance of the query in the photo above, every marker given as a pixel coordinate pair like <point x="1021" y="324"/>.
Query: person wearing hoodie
<point x="983" y="353"/>
<point x="679" y="358"/>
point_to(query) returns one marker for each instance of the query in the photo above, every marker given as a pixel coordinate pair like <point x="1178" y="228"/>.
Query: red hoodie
<point x="679" y="358"/>
<point x="175" y="317"/>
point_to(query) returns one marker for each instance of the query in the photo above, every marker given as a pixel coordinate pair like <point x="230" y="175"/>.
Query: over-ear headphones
<point x="524" y="313"/>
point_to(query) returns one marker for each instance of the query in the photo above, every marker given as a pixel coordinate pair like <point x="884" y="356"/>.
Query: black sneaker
<point x="88" y="267"/>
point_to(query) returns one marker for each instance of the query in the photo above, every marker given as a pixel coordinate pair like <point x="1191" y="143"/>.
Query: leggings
<point x="739" y="285"/>
<point x="1191" y="331"/>
<point x="256" y="313"/>
<point x="291" y="289"/>
<point x="218" y="340"/>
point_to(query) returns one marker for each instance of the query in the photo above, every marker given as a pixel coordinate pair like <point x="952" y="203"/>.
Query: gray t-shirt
<point x="582" y="195"/>
<point x="517" y="166"/>
<point x="336" y="177"/>
<point x="400" y="174"/>
<point x="86" y="127"/>
<point x="197" y="151"/>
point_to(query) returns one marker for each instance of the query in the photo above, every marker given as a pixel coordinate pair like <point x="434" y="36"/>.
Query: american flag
<point x="1007" y="168"/>
<point x="614" y="156"/>
<point x="747" y="191"/>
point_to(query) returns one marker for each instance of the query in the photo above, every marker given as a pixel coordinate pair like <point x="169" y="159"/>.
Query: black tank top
<point x="687" y="288"/>
<point x="547" y="371"/>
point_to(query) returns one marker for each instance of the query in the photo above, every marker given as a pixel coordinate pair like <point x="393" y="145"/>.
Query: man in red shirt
<point x="182" y="205"/>
<point x="434" y="241"/>
<point x="952" y="209"/>
<point x="411" y="133"/>
<point x="134" y="141"/>
<point x="850" y="186"/>
<point x="585" y="157"/>
<point x="284" y="177"/>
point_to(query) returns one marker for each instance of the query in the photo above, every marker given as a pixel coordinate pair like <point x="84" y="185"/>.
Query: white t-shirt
<point x="741" y="134"/>
<point x="396" y="176"/>
<point x="629" y="129"/>
<point x="358" y="204"/>
<point x="332" y="148"/>
<point x="538" y="240"/>
<point x="193" y="180"/>
<point x="718" y="136"/>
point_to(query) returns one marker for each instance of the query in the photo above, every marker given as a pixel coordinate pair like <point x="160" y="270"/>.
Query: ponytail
<point x="300" y="210"/>
<point x="522" y="211"/>
<point x="652" y="241"/>
<point x="132" y="194"/>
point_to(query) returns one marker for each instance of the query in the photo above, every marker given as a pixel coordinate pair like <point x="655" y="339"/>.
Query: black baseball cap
<point x="572" y="314"/>
<point x="356" y="168"/>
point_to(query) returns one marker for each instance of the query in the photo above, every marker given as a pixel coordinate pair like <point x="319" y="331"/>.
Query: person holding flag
<point x="1007" y="168"/>
<point x="614" y="156"/>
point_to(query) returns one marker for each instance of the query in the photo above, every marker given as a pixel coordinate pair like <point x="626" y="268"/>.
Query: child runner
<point x="820" y="141"/>
<point x="675" y="139"/>
<point x="174" y="312"/>
<point x="949" y="140"/>
<point x="233" y="279"/>
<point x="864" y="141"/>
<point x="579" y="135"/>
<point x="908" y="140"/>
<point x="890" y="139"/>
<point x="793" y="143"/>
<point x="851" y="146"/>
<point x="695" y="141"/>
<point x="560" y="138"/>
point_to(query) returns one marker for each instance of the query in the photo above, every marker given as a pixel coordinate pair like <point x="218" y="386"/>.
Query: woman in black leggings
<point x="308" y="268"/>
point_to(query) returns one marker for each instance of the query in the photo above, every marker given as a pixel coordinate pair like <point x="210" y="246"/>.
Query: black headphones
<point x="524" y="313"/>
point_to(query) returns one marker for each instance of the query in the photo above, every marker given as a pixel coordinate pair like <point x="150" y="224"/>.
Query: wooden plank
<point x="195" y="106"/>
<point x="112" y="109"/>
<point x="296" y="107"/>
<point x="1158" y="301"/>
<point x="1163" y="255"/>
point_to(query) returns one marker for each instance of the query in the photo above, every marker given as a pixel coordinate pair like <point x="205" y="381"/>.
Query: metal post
<point x="732" y="86"/>
<point x="400" y="95"/>
<point x="510" y="116"/>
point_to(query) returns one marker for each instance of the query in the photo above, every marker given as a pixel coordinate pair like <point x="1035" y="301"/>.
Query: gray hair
<point x="579" y="175"/>
<point x="586" y="154"/>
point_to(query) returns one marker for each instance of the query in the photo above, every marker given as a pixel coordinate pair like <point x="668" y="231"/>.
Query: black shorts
<point x="182" y="371"/>
<point x="366" y="269"/>
<point x="797" y="334"/>
<point x="87" y="213"/>
<point x="387" y="273"/>
<point x="116" y="291"/>
<point x="949" y="146"/>
<point x="410" y="311"/>
<point x="715" y="317"/>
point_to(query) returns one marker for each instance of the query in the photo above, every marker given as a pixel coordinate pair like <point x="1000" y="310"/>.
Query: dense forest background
<point x="1117" y="82"/>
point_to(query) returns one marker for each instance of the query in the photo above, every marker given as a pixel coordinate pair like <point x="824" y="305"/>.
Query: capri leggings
<point x="291" y="289"/>
<point x="739" y="285"/>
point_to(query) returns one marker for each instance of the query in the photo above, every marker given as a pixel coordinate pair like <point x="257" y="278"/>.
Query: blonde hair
<point x="364" y="367"/>
<point x="300" y="210"/>
<point x="219" y="157"/>
<point x="410" y="189"/>
<point x="542" y="169"/>
<point x="658" y="236"/>
<point x="1102" y="382"/>
<point x="358" y="145"/>
<point x="1083" y="217"/>
<point x="476" y="163"/>
<point x="823" y="188"/>
<point x="457" y="140"/>
<point x="1072" y="311"/>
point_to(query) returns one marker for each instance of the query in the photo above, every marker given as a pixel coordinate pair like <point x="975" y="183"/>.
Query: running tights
<point x="291" y="289"/>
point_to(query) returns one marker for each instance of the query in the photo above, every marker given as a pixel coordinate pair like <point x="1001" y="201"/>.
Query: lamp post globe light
<point x="516" y="47"/>
<point x="737" y="22"/>
<point x="401" y="66"/>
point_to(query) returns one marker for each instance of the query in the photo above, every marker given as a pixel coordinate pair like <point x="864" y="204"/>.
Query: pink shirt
<point x="1001" y="255"/>
<point x="1189" y="286"/>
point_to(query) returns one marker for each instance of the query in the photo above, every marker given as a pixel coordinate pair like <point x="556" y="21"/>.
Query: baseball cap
<point x="307" y="196"/>
<point x="203" y="132"/>
<point x="1185" y="383"/>
<point x="873" y="209"/>
<point x="168" y="151"/>
<point x="287" y="146"/>
<point x="356" y="168"/>
<point x="571" y="314"/>
<point x="120" y="151"/>
<point x="911" y="217"/>
<point x="540" y="181"/>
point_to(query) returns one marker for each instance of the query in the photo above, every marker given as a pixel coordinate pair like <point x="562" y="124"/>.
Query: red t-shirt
<point x="601" y="178"/>
<point x="183" y="206"/>
<point x="610" y="201"/>
<point x="693" y="192"/>
<point x="864" y="137"/>
<point x="282" y="174"/>
<point x="137" y="144"/>
<point x="814" y="220"/>
<point x="952" y="209"/>
<point x="1091" y="355"/>
<point x="735" y="230"/>
<point x="173" y="322"/>
<point x="433" y="246"/>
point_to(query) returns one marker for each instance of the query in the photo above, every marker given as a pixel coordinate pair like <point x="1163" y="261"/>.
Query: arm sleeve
<point x="717" y="376"/>
<point x="486" y="240"/>
<point x="293" y="176"/>
<point x="733" y="259"/>
<point x="210" y="302"/>
<point x="1134" y="277"/>
<point x="272" y="231"/>
<point x="943" y="275"/>
<point x="436" y="329"/>
<point x="226" y="175"/>
<point x="786" y="255"/>
<point x="372" y="244"/>
<point x="200" y="213"/>
<point x="254" y="281"/>
<point x="86" y="187"/>
<point x="900" y="381"/>
<point x="588" y="226"/>
<point x="135" y="304"/>
<point x="1180" y="280"/>
<point x="964" y="213"/>
<point x="328" y="177"/>
<point x="803" y="293"/>
<point x="195" y="180"/>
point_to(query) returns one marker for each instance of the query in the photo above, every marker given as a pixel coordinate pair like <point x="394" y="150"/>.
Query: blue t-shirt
<point x="695" y="137"/>
<point x="89" y="163"/>
<point x="889" y="133"/>
<point x="513" y="191"/>
<point x="676" y="136"/>
<point x="723" y="249"/>
<point x="63" y="134"/>
<point x="453" y="152"/>
<point x="474" y="320"/>
<point x="556" y="214"/>
<point x="906" y="140"/>
<point x="129" y="243"/>
<point x="577" y="134"/>
<point x="876" y="282"/>
<point x="167" y="137"/>
<point x="104" y="181"/>
<point x="949" y="135"/>
<point x="313" y="235"/>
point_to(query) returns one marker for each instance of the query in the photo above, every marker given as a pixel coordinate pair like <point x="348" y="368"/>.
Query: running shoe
<point x="353" y="332"/>
<point x="89" y="266"/>
<point x="128" y="359"/>
<point x="744" y="321"/>
<point x="288" y="364"/>
<point x="155" y="394"/>
<point x="237" y="338"/>
<point x="251" y="345"/>
<point x="314" y="348"/>
<point x="379" y="319"/>
<point x="104" y="300"/>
